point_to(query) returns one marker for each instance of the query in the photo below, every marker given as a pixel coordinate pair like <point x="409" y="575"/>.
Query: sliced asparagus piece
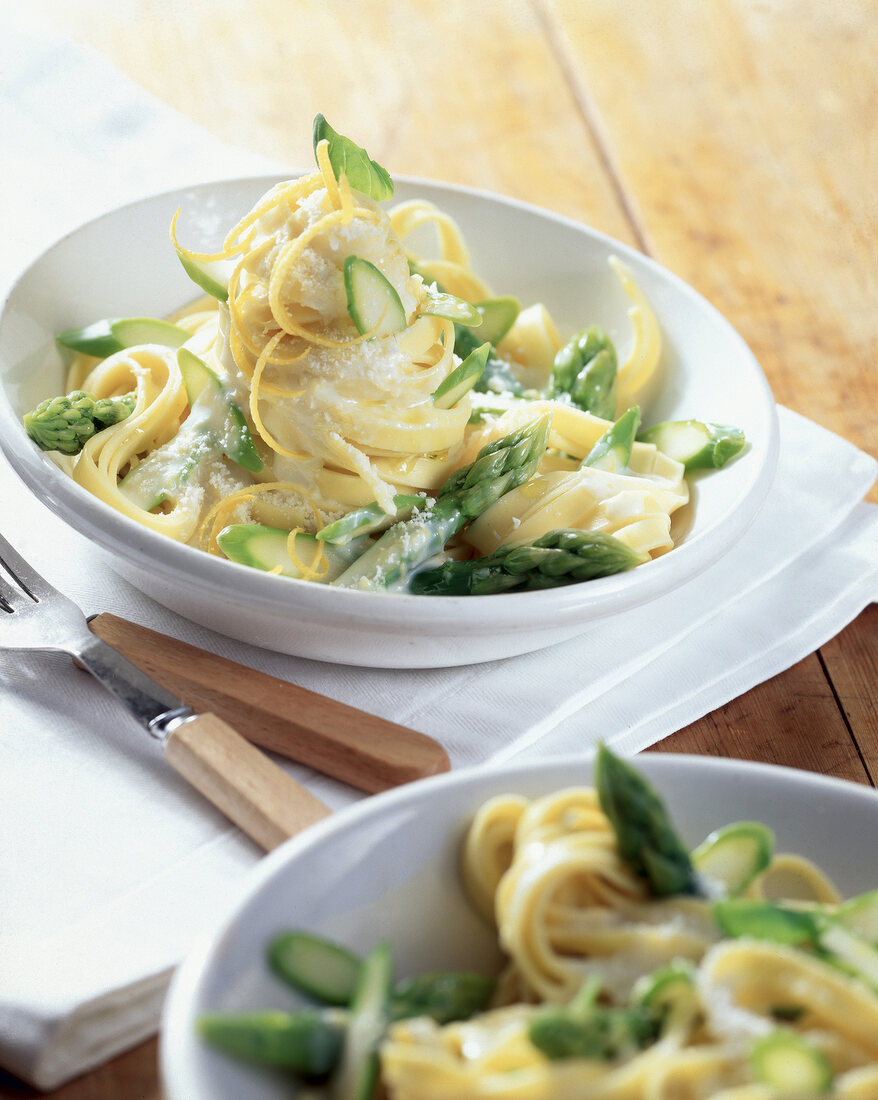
<point x="114" y="334"/>
<point x="860" y="915"/>
<point x="267" y="548"/>
<point x="584" y="373"/>
<point x="647" y="839"/>
<point x="367" y="1022"/>
<point x="165" y="471"/>
<point x="497" y="377"/>
<point x="235" y="438"/>
<point x="499" y="466"/>
<point x="498" y="317"/>
<point x="613" y="450"/>
<point x="486" y="405"/>
<point x="305" y="1042"/>
<point x="849" y="951"/>
<point x="373" y="303"/>
<point x="556" y="558"/>
<point x="696" y="444"/>
<point x="762" y="920"/>
<point x="817" y="929"/>
<point x="586" y="1029"/>
<point x="735" y="854"/>
<point x="315" y="966"/>
<point x="329" y="972"/>
<point x="215" y="425"/>
<point x="438" y="303"/>
<point x="65" y="424"/>
<point x="212" y="276"/>
<point x="668" y="989"/>
<point x="368" y="519"/>
<point x="462" y="379"/>
<point x="790" y="1065"/>
<point x="445" y="996"/>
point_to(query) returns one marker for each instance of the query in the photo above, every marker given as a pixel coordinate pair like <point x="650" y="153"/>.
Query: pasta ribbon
<point x="342" y="417"/>
<point x="566" y="907"/>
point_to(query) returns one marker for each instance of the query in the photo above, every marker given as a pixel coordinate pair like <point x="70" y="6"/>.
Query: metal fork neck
<point x="156" y="708"/>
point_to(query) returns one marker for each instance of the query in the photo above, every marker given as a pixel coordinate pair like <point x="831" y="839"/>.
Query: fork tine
<point x="24" y="575"/>
<point x="13" y="598"/>
<point x="5" y="605"/>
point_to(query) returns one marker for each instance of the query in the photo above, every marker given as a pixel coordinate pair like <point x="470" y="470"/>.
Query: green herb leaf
<point x="349" y="159"/>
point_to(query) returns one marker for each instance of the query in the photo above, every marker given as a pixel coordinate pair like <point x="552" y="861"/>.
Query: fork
<point x="230" y="772"/>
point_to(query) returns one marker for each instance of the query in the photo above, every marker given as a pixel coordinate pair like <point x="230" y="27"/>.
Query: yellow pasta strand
<point x="566" y="906"/>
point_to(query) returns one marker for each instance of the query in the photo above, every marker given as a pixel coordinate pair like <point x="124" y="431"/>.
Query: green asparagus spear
<point x="65" y="424"/>
<point x="556" y="558"/>
<point x="647" y="840"/>
<point x="445" y="996"/>
<point x="613" y="450"/>
<point x="306" y="1042"/>
<point x="584" y="373"/>
<point x="499" y="466"/>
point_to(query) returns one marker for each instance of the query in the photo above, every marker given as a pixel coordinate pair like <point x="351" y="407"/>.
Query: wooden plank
<point x="745" y="134"/>
<point x="131" y="1076"/>
<point x="793" y="720"/>
<point x="851" y="661"/>
<point x="727" y="190"/>
<point x="454" y="91"/>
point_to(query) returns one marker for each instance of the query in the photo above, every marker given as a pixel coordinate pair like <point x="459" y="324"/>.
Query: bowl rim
<point x="167" y="558"/>
<point x="176" y="1037"/>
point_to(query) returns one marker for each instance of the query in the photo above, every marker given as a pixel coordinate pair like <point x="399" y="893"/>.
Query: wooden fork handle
<point x="362" y="749"/>
<point x="241" y="781"/>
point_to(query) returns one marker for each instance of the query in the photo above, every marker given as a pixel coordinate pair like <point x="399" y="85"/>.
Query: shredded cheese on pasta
<point x="343" y="418"/>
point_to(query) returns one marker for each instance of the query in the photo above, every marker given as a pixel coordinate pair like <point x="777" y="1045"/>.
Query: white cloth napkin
<point x="110" y="865"/>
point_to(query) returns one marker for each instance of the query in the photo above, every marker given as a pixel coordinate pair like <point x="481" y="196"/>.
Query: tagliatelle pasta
<point x="635" y="969"/>
<point x="338" y="373"/>
<point x="568" y="910"/>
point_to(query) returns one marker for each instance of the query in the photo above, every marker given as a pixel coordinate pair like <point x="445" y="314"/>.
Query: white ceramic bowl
<point x="387" y="868"/>
<point x="122" y="264"/>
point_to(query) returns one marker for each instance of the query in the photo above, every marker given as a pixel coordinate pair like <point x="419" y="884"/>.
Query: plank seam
<point x="591" y="117"/>
<point x="844" y="717"/>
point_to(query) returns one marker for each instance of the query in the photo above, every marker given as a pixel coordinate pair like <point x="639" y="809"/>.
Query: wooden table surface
<point x="732" y="140"/>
